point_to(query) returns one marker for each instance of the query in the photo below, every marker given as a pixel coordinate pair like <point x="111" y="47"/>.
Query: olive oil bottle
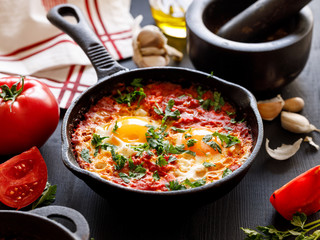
<point x="169" y="16"/>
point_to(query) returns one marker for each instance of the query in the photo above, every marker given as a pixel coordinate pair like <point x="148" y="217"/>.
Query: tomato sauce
<point x="193" y="114"/>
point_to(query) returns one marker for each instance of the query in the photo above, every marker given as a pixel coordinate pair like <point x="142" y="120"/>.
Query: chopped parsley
<point x="208" y="164"/>
<point x="130" y="97"/>
<point x="227" y="138"/>
<point x="197" y="183"/>
<point x="217" y="102"/>
<point x="191" y="142"/>
<point x="187" y="135"/>
<point x="161" y="161"/>
<point x="137" y="82"/>
<point x="226" y="172"/>
<point x="138" y="172"/>
<point x="85" y="155"/>
<point x="206" y="139"/>
<point x="171" y="159"/>
<point x="124" y="177"/>
<point x="167" y="112"/>
<point x="200" y="92"/>
<point x="156" y="176"/>
<point x="119" y="160"/>
<point x="115" y="128"/>
<point x="97" y="143"/>
<point x="179" y="130"/>
<point x="175" y="186"/>
<point x="97" y="140"/>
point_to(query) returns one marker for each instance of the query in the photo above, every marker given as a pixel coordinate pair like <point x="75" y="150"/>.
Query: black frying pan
<point x="41" y="224"/>
<point x="109" y="74"/>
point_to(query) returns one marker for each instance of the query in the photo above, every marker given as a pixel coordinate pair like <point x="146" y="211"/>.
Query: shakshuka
<point x="162" y="137"/>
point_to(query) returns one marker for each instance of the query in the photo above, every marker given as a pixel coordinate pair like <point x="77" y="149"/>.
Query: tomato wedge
<point x="23" y="179"/>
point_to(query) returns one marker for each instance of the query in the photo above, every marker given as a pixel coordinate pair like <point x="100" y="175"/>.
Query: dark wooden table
<point x="246" y="206"/>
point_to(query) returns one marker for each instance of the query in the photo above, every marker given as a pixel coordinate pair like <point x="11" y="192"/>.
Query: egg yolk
<point x="200" y="147"/>
<point x="132" y="129"/>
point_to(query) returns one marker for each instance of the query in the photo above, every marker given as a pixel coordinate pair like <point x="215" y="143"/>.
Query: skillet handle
<point x="84" y="36"/>
<point x="82" y="228"/>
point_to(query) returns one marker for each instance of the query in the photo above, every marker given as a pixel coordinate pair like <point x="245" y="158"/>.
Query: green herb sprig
<point x="47" y="197"/>
<point x="130" y="97"/>
<point x="301" y="230"/>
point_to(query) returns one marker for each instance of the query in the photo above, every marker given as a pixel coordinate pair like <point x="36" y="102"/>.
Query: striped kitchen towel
<point x="30" y="45"/>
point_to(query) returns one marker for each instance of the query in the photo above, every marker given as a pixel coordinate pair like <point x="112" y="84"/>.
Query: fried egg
<point x="126" y="130"/>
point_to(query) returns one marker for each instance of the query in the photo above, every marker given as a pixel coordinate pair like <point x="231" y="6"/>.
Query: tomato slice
<point x="23" y="179"/>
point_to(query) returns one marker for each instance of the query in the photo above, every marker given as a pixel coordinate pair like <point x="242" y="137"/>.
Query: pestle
<point x="259" y="17"/>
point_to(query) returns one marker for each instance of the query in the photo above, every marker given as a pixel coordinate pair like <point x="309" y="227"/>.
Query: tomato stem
<point x="12" y="93"/>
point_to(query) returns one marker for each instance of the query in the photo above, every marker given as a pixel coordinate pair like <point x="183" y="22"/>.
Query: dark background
<point x="246" y="206"/>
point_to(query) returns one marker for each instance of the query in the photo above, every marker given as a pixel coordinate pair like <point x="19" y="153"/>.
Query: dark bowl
<point x="110" y="73"/>
<point x="42" y="224"/>
<point x="261" y="66"/>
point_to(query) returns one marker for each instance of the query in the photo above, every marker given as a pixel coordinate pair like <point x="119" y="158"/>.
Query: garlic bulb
<point x="150" y="48"/>
<point x="270" y="109"/>
<point x="296" y="123"/>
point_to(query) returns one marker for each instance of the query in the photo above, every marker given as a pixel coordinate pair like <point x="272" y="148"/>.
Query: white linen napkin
<point x="30" y="45"/>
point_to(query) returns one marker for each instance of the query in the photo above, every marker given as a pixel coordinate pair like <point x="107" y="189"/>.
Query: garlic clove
<point x="270" y="109"/>
<point x="296" y="123"/>
<point x="147" y="51"/>
<point x="151" y="36"/>
<point x="174" y="53"/>
<point x="311" y="142"/>
<point x="295" y="104"/>
<point x="284" y="151"/>
<point x="150" y="61"/>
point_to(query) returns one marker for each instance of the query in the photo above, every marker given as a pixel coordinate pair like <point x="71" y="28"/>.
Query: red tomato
<point x="301" y="194"/>
<point x="23" y="179"/>
<point x="30" y="119"/>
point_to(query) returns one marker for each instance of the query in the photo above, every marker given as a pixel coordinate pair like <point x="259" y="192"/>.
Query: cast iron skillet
<point x="40" y="224"/>
<point x="109" y="74"/>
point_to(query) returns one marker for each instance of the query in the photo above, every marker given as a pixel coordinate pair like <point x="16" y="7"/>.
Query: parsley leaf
<point x="97" y="143"/>
<point x="208" y="164"/>
<point x="218" y="101"/>
<point x="161" y="161"/>
<point x="191" y="142"/>
<point x="115" y="128"/>
<point x="172" y="159"/>
<point x="200" y="92"/>
<point x="206" y="139"/>
<point x="130" y="97"/>
<point x="226" y="172"/>
<point x="137" y="82"/>
<point x="120" y="160"/>
<point x="197" y="183"/>
<point x="167" y="112"/>
<point x="124" y="177"/>
<point x="47" y="197"/>
<point x="156" y="176"/>
<point x="227" y="138"/>
<point x="299" y="232"/>
<point x="187" y="135"/>
<point x="97" y="140"/>
<point x="179" y="130"/>
<point x="85" y="155"/>
<point x="175" y="186"/>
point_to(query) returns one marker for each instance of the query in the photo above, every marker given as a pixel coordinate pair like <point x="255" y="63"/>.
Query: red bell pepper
<point x="301" y="194"/>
